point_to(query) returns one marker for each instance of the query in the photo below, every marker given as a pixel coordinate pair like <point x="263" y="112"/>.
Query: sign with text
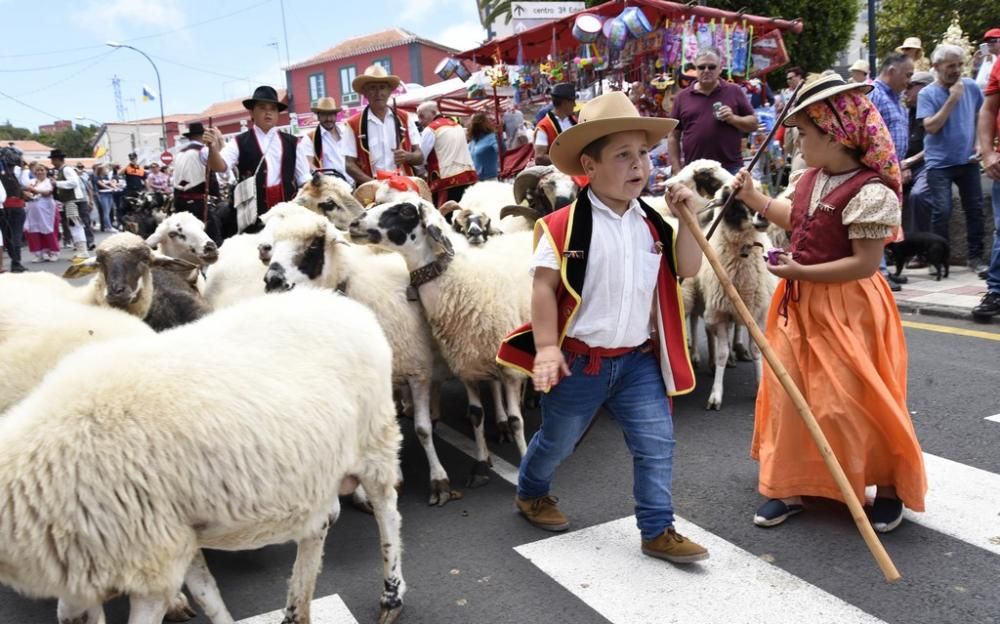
<point x="544" y="10"/>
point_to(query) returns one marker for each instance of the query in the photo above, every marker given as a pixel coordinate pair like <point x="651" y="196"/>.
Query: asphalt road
<point x="461" y="565"/>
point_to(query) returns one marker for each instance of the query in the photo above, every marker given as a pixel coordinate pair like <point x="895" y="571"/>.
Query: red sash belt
<point x="594" y="354"/>
<point x="273" y="195"/>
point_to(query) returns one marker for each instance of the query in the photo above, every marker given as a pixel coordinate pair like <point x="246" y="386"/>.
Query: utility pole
<point x="116" y="84"/>
<point x="873" y="68"/>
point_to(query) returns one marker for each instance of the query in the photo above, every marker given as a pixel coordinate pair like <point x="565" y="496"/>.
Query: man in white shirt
<point x="191" y="166"/>
<point x="380" y="138"/>
<point x="284" y="168"/>
<point x="556" y="121"/>
<point x="69" y="191"/>
<point x="324" y="146"/>
<point x="445" y="148"/>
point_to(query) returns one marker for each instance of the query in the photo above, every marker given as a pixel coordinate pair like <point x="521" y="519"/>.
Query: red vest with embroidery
<point x="569" y="230"/>
<point x="360" y="130"/>
<point x="822" y="236"/>
<point x="434" y="179"/>
<point x="550" y="126"/>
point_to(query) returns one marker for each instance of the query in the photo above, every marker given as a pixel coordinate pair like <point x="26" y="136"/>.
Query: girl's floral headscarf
<point x="851" y="119"/>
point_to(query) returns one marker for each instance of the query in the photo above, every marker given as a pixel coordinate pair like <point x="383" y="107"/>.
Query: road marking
<point x="994" y="418"/>
<point x="961" y="501"/>
<point x="958" y="331"/>
<point x="603" y="566"/>
<point x="504" y="469"/>
<point x="327" y="610"/>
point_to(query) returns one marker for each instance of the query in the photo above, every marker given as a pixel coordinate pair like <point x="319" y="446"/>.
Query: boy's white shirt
<point x="622" y="267"/>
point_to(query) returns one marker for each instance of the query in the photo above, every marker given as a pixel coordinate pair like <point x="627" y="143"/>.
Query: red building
<point x="53" y="128"/>
<point x="330" y="73"/>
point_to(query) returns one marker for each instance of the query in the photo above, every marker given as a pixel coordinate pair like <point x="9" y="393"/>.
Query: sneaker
<point x="17" y="268"/>
<point x="674" y="547"/>
<point x="543" y="512"/>
<point x="894" y="286"/>
<point x="989" y="305"/>
<point x="886" y="514"/>
<point x="983" y="274"/>
<point x="774" y="512"/>
<point x="38" y="258"/>
<point x="976" y="266"/>
<point x="898" y="279"/>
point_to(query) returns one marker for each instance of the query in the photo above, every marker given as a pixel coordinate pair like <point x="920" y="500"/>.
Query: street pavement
<point x="476" y="561"/>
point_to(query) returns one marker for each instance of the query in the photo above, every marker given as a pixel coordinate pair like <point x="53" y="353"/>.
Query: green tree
<point x="9" y="132"/>
<point x="928" y="19"/>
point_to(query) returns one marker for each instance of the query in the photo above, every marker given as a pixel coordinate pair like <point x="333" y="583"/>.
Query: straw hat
<point x="820" y="89"/>
<point x="912" y="43"/>
<point x="606" y="114"/>
<point x="325" y="105"/>
<point x="374" y="74"/>
<point x="861" y="65"/>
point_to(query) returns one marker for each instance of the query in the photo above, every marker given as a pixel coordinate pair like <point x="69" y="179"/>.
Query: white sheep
<point x="114" y="473"/>
<point x="740" y="247"/>
<point x="477" y="215"/>
<point x="471" y="297"/>
<point x="309" y="250"/>
<point x="391" y="189"/>
<point x="330" y="196"/>
<point x="182" y="235"/>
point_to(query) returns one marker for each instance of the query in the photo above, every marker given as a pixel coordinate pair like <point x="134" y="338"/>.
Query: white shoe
<point x="39" y="258"/>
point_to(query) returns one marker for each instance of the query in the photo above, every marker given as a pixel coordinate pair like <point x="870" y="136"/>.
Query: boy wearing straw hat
<point x="607" y="320"/>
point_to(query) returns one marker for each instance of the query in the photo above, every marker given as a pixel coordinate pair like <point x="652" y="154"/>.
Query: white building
<point x="115" y="140"/>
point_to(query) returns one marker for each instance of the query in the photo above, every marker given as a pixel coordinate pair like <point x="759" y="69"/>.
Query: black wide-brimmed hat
<point x="57" y="153"/>
<point x="264" y="93"/>
<point x="195" y="128"/>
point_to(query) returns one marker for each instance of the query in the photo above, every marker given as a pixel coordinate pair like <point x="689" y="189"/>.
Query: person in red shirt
<point x="989" y="123"/>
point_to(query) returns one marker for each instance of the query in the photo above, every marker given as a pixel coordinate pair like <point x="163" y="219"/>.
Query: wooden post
<point x="874" y="545"/>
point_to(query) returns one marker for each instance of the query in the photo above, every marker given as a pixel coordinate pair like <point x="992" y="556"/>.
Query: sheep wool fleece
<point x="569" y="230"/>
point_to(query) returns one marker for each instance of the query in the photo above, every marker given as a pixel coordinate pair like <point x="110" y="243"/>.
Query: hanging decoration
<point x="635" y="20"/>
<point x="587" y="28"/>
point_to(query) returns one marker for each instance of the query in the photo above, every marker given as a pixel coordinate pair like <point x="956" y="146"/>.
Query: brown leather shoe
<point x="674" y="547"/>
<point x="543" y="512"/>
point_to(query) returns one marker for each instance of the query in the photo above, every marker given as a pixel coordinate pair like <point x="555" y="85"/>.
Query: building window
<point x="317" y="87"/>
<point x="347" y="76"/>
<point x="385" y="63"/>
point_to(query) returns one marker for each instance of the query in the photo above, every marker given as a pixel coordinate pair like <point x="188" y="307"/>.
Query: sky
<point x="54" y="64"/>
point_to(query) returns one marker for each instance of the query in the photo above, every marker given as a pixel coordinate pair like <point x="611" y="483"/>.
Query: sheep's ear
<point x="82" y="269"/>
<point x="449" y="207"/>
<point x="172" y="264"/>
<point x="441" y="242"/>
<point x="154" y="239"/>
<point x="365" y="193"/>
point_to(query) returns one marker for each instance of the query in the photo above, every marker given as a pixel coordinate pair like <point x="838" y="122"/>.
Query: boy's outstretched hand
<point x="549" y="362"/>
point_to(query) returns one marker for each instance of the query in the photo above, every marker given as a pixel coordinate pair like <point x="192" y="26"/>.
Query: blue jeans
<point x="107" y="202"/>
<point x="631" y="388"/>
<point x="993" y="275"/>
<point x="919" y="203"/>
<point x="967" y="177"/>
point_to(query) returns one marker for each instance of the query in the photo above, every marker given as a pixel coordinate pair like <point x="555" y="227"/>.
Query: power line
<point x="144" y="37"/>
<point x="37" y="110"/>
<point x="198" y="69"/>
<point x="77" y="62"/>
<point x="76" y="74"/>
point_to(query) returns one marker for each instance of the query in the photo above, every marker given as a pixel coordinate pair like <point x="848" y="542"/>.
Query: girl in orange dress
<point x="833" y="321"/>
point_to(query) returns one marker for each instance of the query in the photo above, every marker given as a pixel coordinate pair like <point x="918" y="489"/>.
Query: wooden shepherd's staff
<point x="857" y="512"/>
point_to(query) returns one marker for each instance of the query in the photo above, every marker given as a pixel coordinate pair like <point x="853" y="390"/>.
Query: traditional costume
<point x="449" y="163"/>
<point x="371" y="140"/>
<point x="324" y="149"/>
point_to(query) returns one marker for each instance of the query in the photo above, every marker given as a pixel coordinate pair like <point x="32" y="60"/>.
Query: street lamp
<point x="82" y="118"/>
<point x="159" y="87"/>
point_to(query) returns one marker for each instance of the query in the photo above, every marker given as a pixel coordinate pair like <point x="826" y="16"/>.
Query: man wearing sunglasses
<point x="713" y="118"/>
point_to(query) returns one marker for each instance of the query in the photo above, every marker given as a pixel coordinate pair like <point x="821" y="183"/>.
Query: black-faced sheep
<point x="471" y="298"/>
<point x="114" y="473"/>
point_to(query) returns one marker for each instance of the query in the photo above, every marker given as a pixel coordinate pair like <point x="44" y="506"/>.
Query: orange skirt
<point x="843" y="345"/>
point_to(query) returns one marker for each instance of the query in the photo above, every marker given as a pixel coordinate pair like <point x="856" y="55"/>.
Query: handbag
<point x="245" y="199"/>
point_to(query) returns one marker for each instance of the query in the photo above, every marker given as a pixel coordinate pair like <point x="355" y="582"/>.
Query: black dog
<point x="931" y="247"/>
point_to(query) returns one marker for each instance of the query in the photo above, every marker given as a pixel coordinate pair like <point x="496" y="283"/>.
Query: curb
<point x="938" y="310"/>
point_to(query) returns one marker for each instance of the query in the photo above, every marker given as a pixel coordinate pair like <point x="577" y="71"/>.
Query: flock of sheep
<point x="189" y="396"/>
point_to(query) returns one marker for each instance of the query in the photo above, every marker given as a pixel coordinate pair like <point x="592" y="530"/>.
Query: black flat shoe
<point x="886" y="514"/>
<point x="774" y="512"/>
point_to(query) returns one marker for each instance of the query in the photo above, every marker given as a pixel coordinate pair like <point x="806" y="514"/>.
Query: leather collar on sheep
<point x="427" y="273"/>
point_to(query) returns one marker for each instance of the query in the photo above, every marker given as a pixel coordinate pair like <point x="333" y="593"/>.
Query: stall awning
<point x="536" y="43"/>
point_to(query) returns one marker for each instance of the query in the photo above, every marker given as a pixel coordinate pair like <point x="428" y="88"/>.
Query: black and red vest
<point x="249" y="157"/>
<point x="569" y="231"/>
<point x="359" y="126"/>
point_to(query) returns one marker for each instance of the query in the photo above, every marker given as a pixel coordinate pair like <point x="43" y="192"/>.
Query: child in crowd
<point x="833" y="321"/>
<point x="607" y="326"/>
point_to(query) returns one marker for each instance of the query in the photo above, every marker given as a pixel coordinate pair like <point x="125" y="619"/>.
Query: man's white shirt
<point x="381" y="140"/>
<point x="333" y="149"/>
<point x="271" y="146"/>
<point x="542" y="139"/>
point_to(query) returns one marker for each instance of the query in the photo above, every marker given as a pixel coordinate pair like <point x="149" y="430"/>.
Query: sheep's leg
<point x="387" y="516"/>
<point x="308" y="561"/>
<point x="503" y="424"/>
<point x="481" y="469"/>
<point x="435" y="402"/>
<point x="441" y="491"/>
<point x="359" y="499"/>
<point x="71" y="612"/>
<point x="693" y="337"/>
<point x="179" y="609"/>
<point x="512" y="388"/>
<point x="147" y="609"/>
<point x="739" y="345"/>
<point x="731" y="362"/>
<point x="721" y="338"/>
<point x="203" y="588"/>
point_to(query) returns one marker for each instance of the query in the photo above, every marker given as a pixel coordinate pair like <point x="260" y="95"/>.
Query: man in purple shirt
<point x="704" y="129"/>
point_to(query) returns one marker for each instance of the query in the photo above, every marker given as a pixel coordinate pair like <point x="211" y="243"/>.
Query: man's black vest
<point x="213" y="181"/>
<point x="250" y="156"/>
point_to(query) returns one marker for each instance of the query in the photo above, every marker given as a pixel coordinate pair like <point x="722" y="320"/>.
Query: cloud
<point x="113" y="18"/>
<point x="462" y="36"/>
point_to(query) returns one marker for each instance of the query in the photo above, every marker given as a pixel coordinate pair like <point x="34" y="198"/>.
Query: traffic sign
<point x="166" y="157"/>
<point x="544" y="10"/>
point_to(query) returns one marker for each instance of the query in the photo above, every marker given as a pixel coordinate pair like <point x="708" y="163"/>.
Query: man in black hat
<point x="284" y="169"/>
<point x="193" y="162"/>
<point x="69" y="191"/>
<point x="559" y="118"/>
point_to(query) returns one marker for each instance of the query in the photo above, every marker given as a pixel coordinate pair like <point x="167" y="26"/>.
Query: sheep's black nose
<point x="274" y="279"/>
<point x="211" y="246"/>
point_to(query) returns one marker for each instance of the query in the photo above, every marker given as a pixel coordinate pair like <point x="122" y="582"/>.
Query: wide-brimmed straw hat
<point x="820" y="89"/>
<point x="606" y="114"/>
<point x="912" y="43"/>
<point x="861" y="65"/>
<point x="264" y="93"/>
<point x="325" y="105"/>
<point x="374" y="74"/>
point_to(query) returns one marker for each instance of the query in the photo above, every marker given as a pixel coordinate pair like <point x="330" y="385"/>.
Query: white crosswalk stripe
<point x="326" y="610"/>
<point x="603" y="566"/>
<point x="993" y="418"/>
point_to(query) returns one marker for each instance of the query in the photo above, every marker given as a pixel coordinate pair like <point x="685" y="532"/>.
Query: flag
<point x="100" y="150"/>
<point x="147" y="94"/>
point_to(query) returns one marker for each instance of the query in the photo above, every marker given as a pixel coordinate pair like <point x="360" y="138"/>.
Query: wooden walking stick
<point x="874" y="545"/>
<point x="208" y="179"/>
